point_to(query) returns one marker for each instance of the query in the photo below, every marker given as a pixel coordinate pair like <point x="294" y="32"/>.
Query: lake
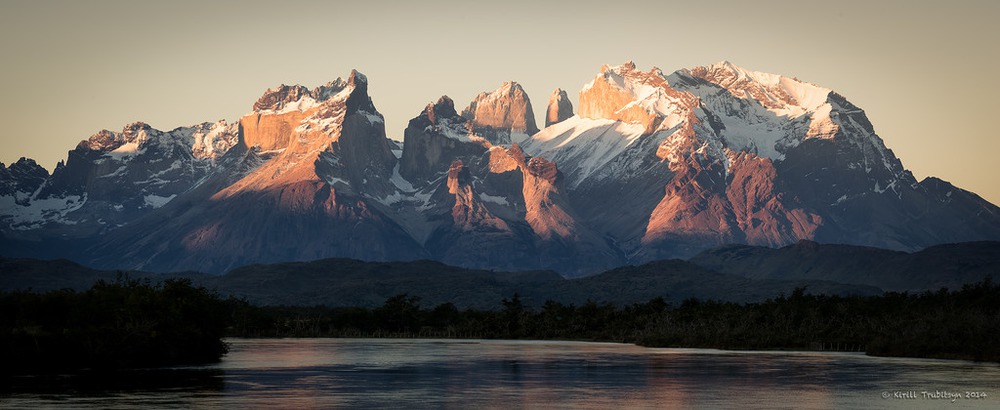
<point x="420" y="373"/>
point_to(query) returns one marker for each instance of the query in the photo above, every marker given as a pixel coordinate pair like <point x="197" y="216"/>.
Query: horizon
<point x="103" y="65"/>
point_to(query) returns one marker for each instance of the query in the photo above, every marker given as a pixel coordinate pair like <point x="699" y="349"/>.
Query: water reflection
<point x="97" y="383"/>
<point x="324" y="373"/>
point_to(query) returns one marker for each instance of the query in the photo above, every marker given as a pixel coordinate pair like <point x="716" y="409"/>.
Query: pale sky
<point x="926" y="73"/>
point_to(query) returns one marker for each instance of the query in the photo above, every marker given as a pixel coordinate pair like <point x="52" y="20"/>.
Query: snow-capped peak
<point x="285" y="98"/>
<point x="629" y="95"/>
<point x="780" y="94"/>
<point x="329" y="90"/>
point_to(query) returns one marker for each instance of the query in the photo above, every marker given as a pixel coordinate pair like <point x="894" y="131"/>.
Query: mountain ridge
<point x="651" y="166"/>
<point x="732" y="273"/>
<point x="353" y="283"/>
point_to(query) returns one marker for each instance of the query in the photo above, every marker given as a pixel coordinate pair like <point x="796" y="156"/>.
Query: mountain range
<point x="352" y="283"/>
<point x="737" y="273"/>
<point x="650" y="166"/>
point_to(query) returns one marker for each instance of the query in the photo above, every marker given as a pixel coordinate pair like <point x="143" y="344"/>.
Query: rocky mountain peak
<point x="286" y="98"/>
<point x="104" y="140"/>
<point x="443" y="108"/>
<point x="652" y="167"/>
<point x="560" y="108"/>
<point x="329" y="90"/>
<point x="791" y="96"/>
<point x="23" y="176"/>
<point x="25" y="166"/>
<point x="625" y="94"/>
<point x="27" y="169"/>
<point x="359" y="99"/>
<point x="137" y="132"/>
<point x="436" y="137"/>
<point x="502" y="116"/>
<point x="357" y="78"/>
<point x="212" y="140"/>
<point x="276" y="98"/>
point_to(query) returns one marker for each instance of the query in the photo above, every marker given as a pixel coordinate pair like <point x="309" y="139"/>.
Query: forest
<point x="129" y="323"/>
<point x="960" y="324"/>
<point x="125" y="323"/>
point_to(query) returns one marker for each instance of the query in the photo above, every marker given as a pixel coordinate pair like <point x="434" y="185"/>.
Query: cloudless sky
<point x="925" y="72"/>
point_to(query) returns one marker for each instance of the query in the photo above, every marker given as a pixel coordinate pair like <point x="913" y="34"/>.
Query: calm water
<point x="366" y="373"/>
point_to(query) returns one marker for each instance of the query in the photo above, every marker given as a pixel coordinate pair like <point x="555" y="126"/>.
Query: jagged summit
<point x="783" y="95"/>
<point x="135" y="133"/>
<point x="21" y="179"/>
<point x="288" y="98"/>
<point x="652" y="166"/>
<point x="436" y="137"/>
<point x="503" y="116"/>
<point x="620" y="107"/>
<point x="623" y="93"/>
<point x="206" y="140"/>
<point x="560" y="108"/>
<point x="275" y="99"/>
<point x="443" y="108"/>
<point x="304" y="138"/>
<point x="287" y="110"/>
<point x="441" y="118"/>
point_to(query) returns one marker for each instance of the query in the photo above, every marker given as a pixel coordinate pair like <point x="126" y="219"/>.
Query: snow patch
<point x="373" y="118"/>
<point x="333" y="180"/>
<point x="399" y="181"/>
<point x="501" y="200"/>
<point x="128" y="149"/>
<point x="580" y="146"/>
<point x="157" y="201"/>
<point x="302" y="104"/>
<point x="40" y="211"/>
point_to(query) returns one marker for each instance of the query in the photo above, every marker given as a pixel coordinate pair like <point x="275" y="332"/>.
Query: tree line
<point x="960" y="324"/>
<point x="129" y="323"/>
<point x="124" y="323"/>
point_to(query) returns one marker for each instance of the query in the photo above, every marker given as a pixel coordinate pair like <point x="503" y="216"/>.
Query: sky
<point x="924" y="72"/>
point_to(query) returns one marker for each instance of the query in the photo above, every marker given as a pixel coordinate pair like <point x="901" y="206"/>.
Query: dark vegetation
<point x="961" y="324"/>
<point x="353" y="283"/>
<point x="129" y="323"/>
<point x="126" y="323"/>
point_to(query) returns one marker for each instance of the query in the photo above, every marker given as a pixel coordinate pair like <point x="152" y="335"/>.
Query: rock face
<point x="321" y="156"/>
<point x="653" y="166"/>
<point x="485" y="205"/>
<point x="503" y="116"/>
<point x="626" y="94"/>
<point x="721" y="154"/>
<point x="111" y="179"/>
<point x="436" y="138"/>
<point x="560" y="108"/>
<point x="22" y="179"/>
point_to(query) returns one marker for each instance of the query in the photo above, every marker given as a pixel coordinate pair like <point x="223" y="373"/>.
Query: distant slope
<point x="47" y="275"/>
<point x="347" y="282"/>
<point x="939" y="266"/>
<point x="678" y="280"/>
